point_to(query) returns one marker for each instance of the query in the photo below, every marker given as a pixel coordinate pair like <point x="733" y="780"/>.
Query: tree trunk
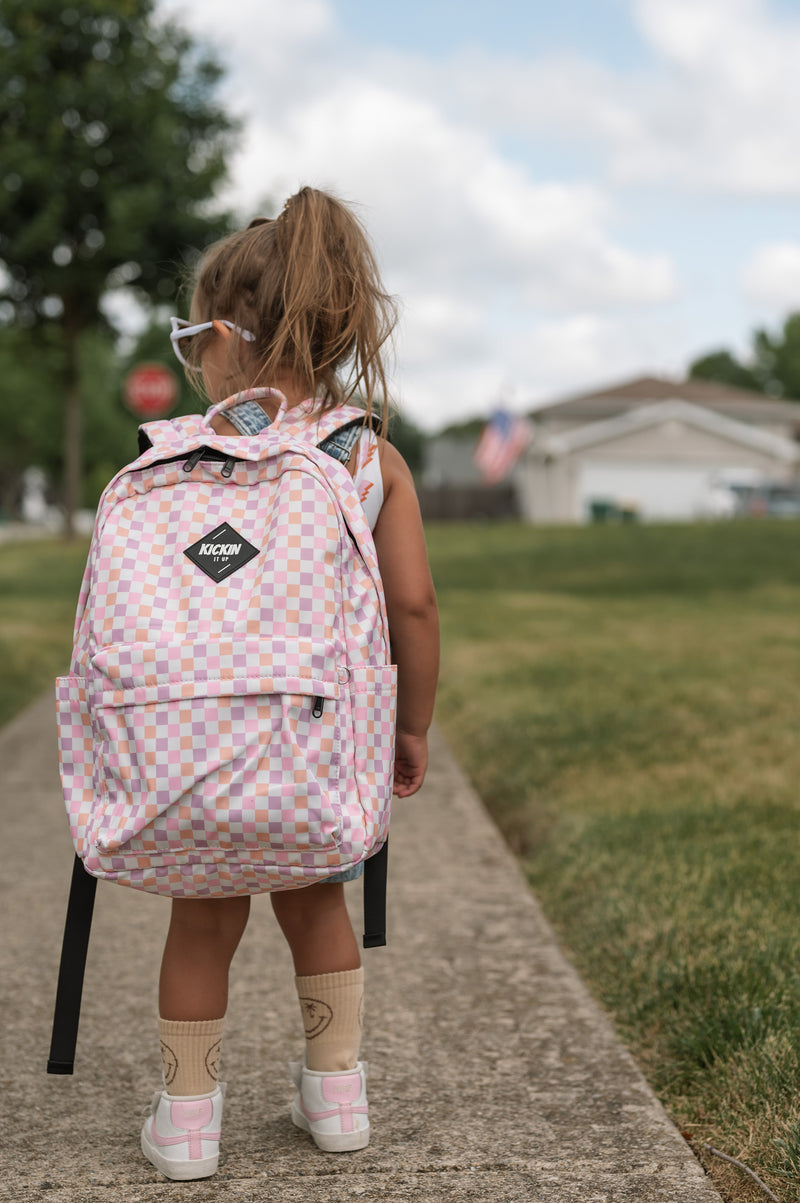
<point x="73" y="425"/>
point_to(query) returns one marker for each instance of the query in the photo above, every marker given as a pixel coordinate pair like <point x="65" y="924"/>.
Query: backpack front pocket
<point x="229" y="750"/>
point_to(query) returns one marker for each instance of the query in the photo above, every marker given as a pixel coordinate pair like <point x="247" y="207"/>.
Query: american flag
<point x="504" y="438"/>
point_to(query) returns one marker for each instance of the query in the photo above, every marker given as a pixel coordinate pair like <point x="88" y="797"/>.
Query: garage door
<point x="669" y="492"/>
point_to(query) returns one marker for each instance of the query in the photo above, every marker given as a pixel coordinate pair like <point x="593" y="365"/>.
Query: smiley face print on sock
<point x="317" y="1016"/>
<point x="169" y="1064"/>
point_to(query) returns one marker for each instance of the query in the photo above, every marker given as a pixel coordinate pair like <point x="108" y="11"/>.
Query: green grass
<point x="626" y="700"/>
<point x="39" y="585"/>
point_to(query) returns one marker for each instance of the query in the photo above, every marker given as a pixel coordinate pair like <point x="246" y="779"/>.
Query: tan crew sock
<point x="332" y="1005"/>
<point x="190" y="1054"/>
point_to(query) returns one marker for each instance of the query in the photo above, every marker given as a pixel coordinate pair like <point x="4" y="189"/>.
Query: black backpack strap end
<point x="77" y="928"/>
<point x="375" y="871"/>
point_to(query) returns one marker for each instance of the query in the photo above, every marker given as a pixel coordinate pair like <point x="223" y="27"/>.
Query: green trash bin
<point x="603" y="511"/>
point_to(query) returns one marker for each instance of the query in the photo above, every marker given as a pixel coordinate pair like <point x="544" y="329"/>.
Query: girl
<point x="291" y="304"/>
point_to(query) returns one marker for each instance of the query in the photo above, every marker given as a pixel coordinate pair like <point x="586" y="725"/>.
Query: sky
<point x="562" y="196"/>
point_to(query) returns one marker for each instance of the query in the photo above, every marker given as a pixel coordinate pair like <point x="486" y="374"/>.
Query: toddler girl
<point x="291" y="305"/>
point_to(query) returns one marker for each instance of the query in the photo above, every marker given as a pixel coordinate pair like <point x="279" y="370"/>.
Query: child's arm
<point x="413" y="618"/>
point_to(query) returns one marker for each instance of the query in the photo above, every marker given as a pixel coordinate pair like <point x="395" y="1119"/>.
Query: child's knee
<point x="214" y="918"/>
<point x="304" y="905"/>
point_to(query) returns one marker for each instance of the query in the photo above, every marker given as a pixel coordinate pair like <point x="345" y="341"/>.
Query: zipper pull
<point x="228" y="466"/>
<point x="318" y="706"/>
<point x="193" y="460"/>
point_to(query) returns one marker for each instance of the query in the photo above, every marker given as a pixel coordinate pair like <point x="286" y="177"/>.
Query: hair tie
<point x="259" y="221"/>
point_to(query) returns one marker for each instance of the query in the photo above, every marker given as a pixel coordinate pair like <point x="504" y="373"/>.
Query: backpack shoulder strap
<point x="249" y="419"/>
<point x="340" y="444"/>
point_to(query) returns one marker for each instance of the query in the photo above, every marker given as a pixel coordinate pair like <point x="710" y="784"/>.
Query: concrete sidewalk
<point x="493" y="1075"/>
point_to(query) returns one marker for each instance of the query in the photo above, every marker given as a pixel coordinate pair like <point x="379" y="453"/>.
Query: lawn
<point x="39" y="585"/>
<point x="626" y="701"/>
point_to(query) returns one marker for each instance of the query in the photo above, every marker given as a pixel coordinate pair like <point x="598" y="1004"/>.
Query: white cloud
<point x="585" y="350"/>
<point x="578" y="348"/>
<point x="695" y="33"/>
<point x="440" y="327"/>
<point x="563" y="94"/>
<point x="726" y="113"/>
<point x="716" y="109"/>
<point x="771" y="277"/>
<point x="443" y="204"/>
<point x="531" y="365"/>
<point x="264" y="31"/>
<point x="480" y="248"/>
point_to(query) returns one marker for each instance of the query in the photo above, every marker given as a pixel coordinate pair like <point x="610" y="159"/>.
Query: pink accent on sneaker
<point x="192" y="1114"/>
<point x="343" y="1091"/>
<point x="192" y="1117"/>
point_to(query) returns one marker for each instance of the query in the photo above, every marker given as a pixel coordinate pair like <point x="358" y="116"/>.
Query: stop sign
<point x="151" y="390"/>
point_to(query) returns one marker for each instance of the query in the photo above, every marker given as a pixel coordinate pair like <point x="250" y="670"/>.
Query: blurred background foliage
<point x="113" y="148"/>
<point x="772" y="365"/>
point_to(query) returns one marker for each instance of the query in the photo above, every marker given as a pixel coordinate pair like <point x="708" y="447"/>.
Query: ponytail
<point x="308" y="287"/>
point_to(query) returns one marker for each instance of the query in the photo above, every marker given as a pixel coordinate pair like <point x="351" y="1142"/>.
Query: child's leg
<point x="330" y="980"/>
<point x="316" y="924"/>
<point x="204" y="933"/>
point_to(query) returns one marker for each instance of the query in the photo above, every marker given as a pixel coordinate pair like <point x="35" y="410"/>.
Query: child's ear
<point x="240" y="347"/>
<point x="238" y="355"/>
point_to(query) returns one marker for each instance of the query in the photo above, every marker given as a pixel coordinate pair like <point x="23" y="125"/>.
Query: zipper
<point x="318" y="707"/>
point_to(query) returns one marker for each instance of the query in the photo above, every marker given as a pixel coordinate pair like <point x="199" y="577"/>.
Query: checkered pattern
<point x="194" y="757"/>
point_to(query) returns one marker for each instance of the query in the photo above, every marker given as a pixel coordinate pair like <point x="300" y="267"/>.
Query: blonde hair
<point x="307" y="285"/>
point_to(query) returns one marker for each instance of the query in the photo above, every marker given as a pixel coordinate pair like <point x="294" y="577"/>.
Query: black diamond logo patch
<point x="221" y="552"/>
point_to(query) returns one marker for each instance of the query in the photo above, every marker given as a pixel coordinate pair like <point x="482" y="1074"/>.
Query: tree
<point x="409" y="440"/>
<point x="471" y="428"/>
<point x="773" y="367"/>
<point x="31" y="417"/>
<point x="723" y="366"/>
<point x="777" y="359"/>
<point x="112" y="147"/>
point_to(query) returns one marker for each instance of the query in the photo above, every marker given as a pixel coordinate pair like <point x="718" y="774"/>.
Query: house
<point x="660" y="449"/>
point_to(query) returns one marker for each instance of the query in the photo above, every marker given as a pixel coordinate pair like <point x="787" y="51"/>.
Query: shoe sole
<point x="332" y="1142"/>
<point x="179" y="1171"/>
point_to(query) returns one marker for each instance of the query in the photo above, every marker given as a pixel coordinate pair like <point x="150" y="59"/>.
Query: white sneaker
<point x="181" y="1134"/>
<point x="332" y="1106"/>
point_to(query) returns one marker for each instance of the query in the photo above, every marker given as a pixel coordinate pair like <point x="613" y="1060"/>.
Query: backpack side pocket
<point x="373" y="703"/>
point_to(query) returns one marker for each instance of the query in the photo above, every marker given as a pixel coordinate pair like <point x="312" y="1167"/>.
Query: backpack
<point x="227" y="725"/>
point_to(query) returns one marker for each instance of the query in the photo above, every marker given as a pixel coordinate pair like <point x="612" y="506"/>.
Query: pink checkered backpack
<point x="227" y="726"/>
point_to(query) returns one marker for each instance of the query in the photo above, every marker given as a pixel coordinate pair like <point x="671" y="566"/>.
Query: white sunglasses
<point x="181" y="328"/>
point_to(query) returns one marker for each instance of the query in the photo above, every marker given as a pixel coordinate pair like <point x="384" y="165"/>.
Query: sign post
<point x="150" y="390"/>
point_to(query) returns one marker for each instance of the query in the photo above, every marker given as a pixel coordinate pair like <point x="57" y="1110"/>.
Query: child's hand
<point x="410" y="763"/>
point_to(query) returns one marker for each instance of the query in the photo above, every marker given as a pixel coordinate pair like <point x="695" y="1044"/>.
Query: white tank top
<point x="367" y="476"/>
